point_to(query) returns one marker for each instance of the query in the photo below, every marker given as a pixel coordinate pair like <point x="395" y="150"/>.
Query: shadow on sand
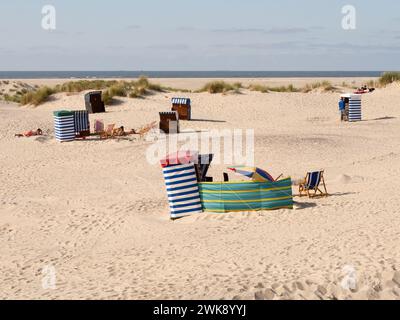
<point x="207" y="120"/>
<point x="304" y="205"/>
<point x="381" y="119"/>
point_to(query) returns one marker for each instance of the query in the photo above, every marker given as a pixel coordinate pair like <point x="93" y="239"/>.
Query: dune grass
<point x="111" y="88"/>
<point x="220" y="87"/>
<point x="324" y="85"/>
<point x="389" y="77"/>
<point x="266" y="89"/>
<point x="37" y="97"/>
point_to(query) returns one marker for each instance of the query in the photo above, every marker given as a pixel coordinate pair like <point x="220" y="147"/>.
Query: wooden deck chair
<point x="146" y="129"/>
<point x="109" y="133"/>
<point x="311" y="185"/>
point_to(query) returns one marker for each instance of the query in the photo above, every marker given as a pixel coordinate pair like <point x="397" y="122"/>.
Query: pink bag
<point x="98" y="126"/>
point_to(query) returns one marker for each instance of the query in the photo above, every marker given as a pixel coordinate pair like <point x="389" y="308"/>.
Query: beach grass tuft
<point x="220" y="87"/>
<point x="37" y="97"/>
<point x="389" y="77"/>
<point x="111" y="88"/>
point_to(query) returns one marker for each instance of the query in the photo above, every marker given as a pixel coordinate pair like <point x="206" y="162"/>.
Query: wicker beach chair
<point x="169" y="122"/>
<point x="183" y="107"/>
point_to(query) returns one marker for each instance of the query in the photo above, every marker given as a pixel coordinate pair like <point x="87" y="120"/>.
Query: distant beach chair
<point x="169" y="122"/>
<point x="183" y="107"/>
<point x="311" y="185"/>
<point x="94" y="102"/>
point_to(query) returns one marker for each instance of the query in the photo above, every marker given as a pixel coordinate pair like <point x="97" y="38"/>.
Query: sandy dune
<point x="97" y="211"/>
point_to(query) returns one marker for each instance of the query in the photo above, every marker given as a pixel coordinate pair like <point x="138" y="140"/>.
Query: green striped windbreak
<point x="246" y="196"/>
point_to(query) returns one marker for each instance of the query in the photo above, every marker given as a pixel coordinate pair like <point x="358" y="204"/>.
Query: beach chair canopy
<point x="182" y="101"/>
<point x="180" y="157"/>
<point x="254" y="173"/>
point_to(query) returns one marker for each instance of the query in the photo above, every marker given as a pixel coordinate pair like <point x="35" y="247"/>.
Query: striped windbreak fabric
<point x="81" y="120"/>
<point x="246" y="196"/>
<point x="182" y="190"/>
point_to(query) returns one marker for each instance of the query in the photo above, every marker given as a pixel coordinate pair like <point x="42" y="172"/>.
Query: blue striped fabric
<point x="314" y="180"/>
<point x="81" y="119"/>
<point x="64" y="128"/>
<point x="355" y="108"/>
<point x="182" y="190"/>
<point x="181" y="101"/>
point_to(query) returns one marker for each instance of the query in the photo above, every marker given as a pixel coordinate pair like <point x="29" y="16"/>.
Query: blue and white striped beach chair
<point x="182" y="190"/>
<point x="355" y="113"/>
<point x="311" y="185"/>
<point x="64" y="125"/>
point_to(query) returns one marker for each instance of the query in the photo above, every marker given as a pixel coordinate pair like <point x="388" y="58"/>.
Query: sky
<point x="204" y="35"/>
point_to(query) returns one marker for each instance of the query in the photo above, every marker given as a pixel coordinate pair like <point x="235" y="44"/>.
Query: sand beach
<point x="96" y="211"/>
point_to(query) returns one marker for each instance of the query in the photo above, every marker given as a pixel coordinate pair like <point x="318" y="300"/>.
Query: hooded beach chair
<point x="311" y="185"/>
<point x="169" y="122"/>
<point x="183" y="107"/>
<point x="94" y="102"/>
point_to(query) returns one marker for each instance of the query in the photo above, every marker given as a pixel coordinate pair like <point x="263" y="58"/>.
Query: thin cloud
<point x="287" y="30"/>
<point x="239" y="30"/>
<point x="262" y="31"/>
<point x="168" y="46"/>
<point x="132" y="27"/>
<point x="184" y="28"/>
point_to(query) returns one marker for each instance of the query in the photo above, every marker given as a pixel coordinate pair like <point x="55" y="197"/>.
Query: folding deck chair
<point x="108" y="133"/>
<point x="311" y="185"/>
